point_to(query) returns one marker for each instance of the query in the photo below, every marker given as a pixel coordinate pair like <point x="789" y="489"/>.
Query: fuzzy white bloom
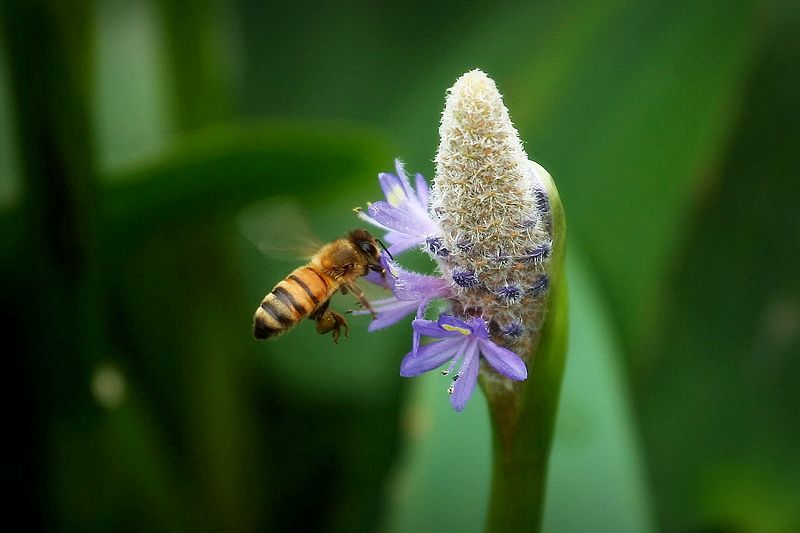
<point x="489" y="225"/>
<point x="491" y="204"/>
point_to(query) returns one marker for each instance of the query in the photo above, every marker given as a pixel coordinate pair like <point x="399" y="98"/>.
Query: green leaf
<point x="596" y="479"/>
<point x="442" y="481"/>
<point x="719" y="393"/>
<point x="9" y="177"/>
<point x="635" y="132"/>
<point x="220" y="169"/>
<point x="131" y="108"/>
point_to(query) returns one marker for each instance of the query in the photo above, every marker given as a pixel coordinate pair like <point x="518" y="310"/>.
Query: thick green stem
<point x="523" y="414"/>
<point x="48" y="47"/>
<point x="523" y="420"/>
<point x="57" y="299"/>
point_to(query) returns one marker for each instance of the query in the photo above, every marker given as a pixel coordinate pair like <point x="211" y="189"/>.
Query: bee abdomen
<point x="262" y="328"/>
<point x="289" y="302"/>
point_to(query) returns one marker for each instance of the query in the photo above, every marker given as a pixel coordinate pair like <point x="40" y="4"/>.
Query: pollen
<point x="463" y="331"/>
<point x="396" y="196"/>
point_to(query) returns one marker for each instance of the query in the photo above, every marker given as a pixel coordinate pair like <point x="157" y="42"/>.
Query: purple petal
<point x="404" y="214"/>
<point x="430" y="328"/>
<point x="368" y="219"/>
<point x="382" y="280"/>
<point x="467" y="378"/>
<point x="393" y="271"/>
<point x="400" y="242"/>
<point x="400" y="220"/>
<point x="504" y="360"/>
<point x="389" y="311"/>
<point x="429" y="356"/>
<point x="479" y="327"/>
<point x="413" y="286"/>
<point x="422" y="190"/>
<point x="394" y="190"/>
<point x="399" y="167"/>
<point x="415" y="337"/>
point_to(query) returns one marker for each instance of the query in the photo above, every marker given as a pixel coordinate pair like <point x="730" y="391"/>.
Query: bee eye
<point x="368" y="248"/>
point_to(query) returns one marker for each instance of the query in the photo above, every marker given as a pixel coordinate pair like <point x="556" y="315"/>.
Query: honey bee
<point x="307" y="291"/>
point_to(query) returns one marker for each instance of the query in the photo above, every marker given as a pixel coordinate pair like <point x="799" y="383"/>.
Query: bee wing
<point x="279" y="228"/>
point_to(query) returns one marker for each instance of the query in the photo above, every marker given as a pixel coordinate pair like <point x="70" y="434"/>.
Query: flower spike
<point x="495" y="227"/>
<point x="488" y="225"/>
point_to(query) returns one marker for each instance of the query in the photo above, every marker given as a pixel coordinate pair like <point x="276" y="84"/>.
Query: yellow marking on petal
<point x="463" y="331"/>
<point x="396" y="196"/>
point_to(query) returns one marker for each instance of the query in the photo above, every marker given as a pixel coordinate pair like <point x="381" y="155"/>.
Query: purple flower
<point x="540" y="252"/>
<point x="514" y="330"/>
<point x="404" y="213"/>
<point x="463" y="341"/>
<point x="411" y="292"/>
<point x="465" y="278"/>
<point x="510" y="293"/>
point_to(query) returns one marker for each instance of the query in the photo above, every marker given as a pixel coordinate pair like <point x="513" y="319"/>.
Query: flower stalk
<point x="494" y="225"/>
<point x="523" y="415"/>
<point x="504" y="215"/>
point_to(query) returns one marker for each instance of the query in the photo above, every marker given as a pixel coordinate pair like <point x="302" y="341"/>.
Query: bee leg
<point x="330" y="321"/>
<point x="359" y="294"/>
<point x="340" y="322"/>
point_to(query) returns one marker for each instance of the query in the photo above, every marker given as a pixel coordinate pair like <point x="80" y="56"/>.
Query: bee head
<point x="369" y="246"/>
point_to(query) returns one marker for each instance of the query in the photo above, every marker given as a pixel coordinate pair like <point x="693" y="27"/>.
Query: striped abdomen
<point x="293" y="299"/>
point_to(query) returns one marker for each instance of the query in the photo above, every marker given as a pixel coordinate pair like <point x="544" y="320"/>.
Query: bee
<point x="307" y="291"/>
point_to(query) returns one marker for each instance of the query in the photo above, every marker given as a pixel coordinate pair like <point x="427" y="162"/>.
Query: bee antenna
<point x="385" y="249"/>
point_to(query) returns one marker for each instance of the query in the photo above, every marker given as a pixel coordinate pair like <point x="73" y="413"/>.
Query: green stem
<point x="523" y="416"/>
<point x="49" y="48"/>
<point x="523" y="426"/>
<point x="58" y="297"/>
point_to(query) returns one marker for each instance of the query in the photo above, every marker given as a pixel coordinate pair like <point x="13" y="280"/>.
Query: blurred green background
<point x="132" y="133"/>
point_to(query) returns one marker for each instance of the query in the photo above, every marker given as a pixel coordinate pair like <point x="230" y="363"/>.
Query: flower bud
<point x="493" y="207"/>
